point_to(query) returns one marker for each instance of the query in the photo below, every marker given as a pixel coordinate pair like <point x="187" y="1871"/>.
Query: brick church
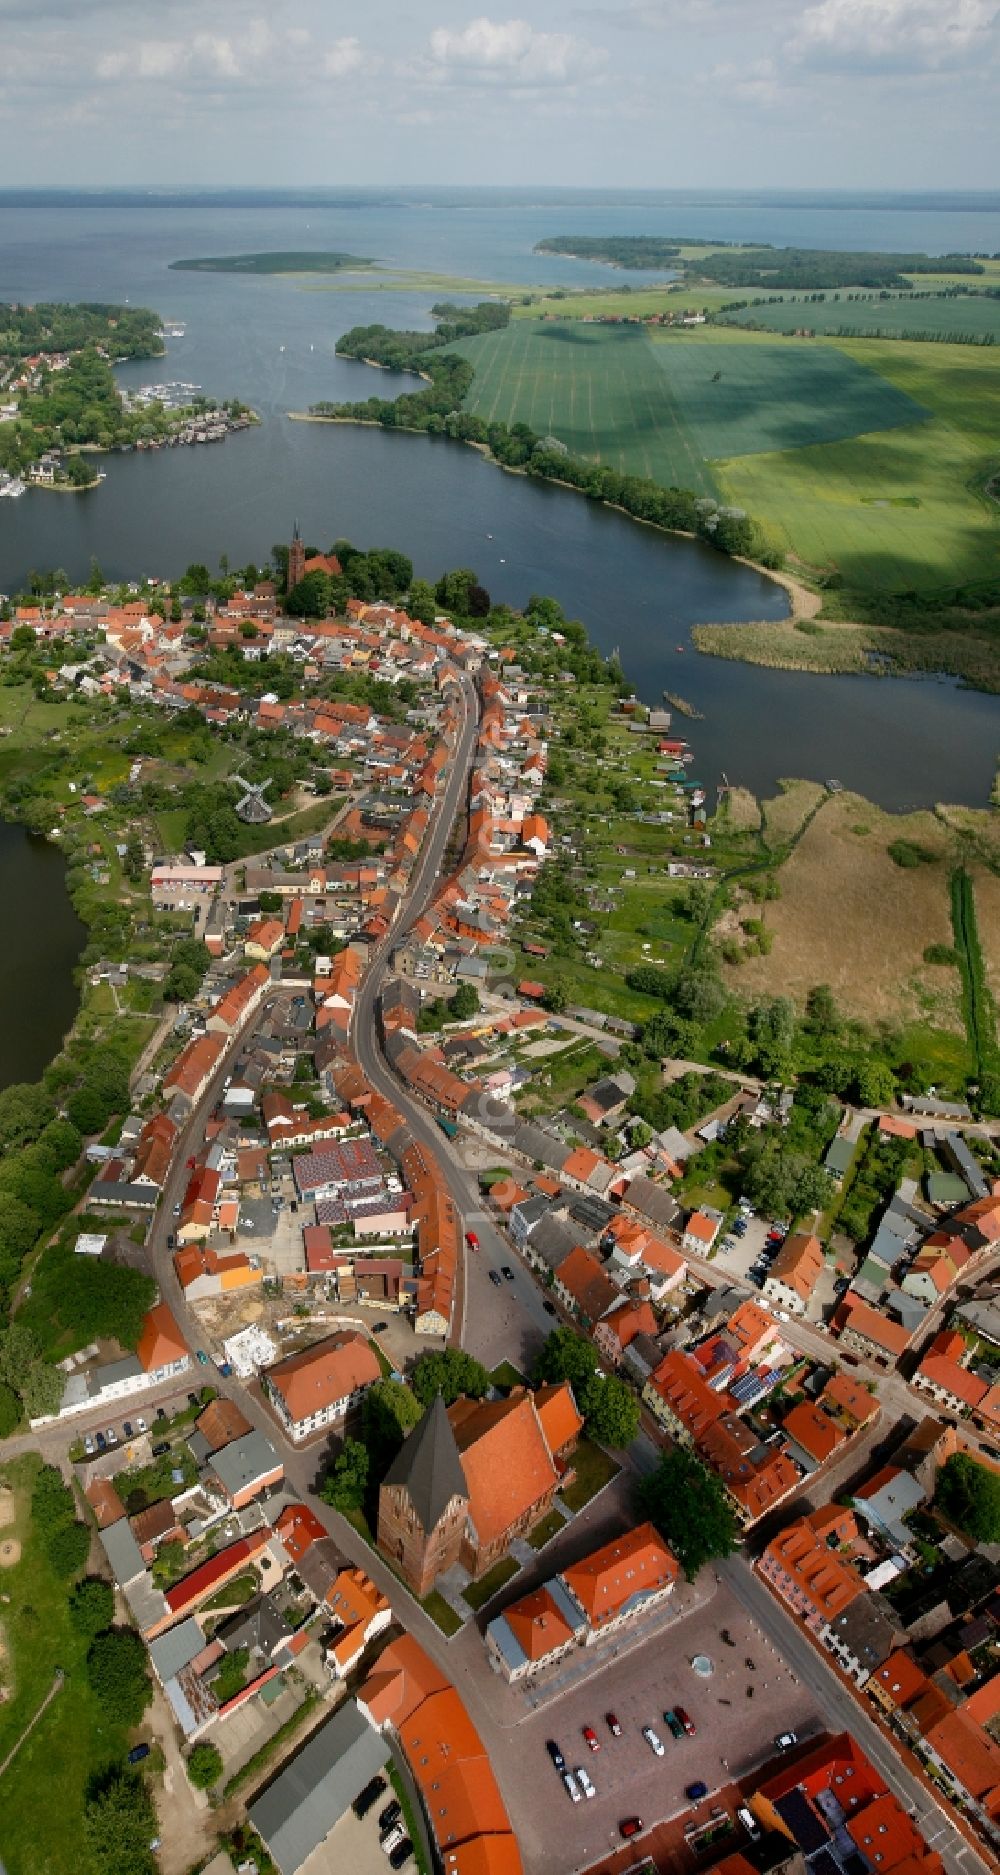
<point x="299" y="566"/>
<point x="473" y="1476"/>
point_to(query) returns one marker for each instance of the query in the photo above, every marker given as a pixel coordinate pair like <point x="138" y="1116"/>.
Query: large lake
<point x="272" y="341"/>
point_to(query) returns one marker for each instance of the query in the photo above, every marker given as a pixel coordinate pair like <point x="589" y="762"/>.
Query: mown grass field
<point x="968" y="313"/>
<point x="893" y="508"/>
<point x="599" y="389"/>
<point x="41" y="1809"/>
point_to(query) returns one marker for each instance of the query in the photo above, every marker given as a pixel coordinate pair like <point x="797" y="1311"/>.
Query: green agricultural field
<point x="599" y="389"/>
<point x="747" y="399"/>
<point x="886" y="315"/>
<point x="893" y="509"/>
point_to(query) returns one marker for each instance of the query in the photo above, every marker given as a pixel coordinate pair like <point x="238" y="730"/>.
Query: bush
<point x="10" y="1410"/>
<point x="908" y="853"/>
<point x="119" y="1825"/>
<point x="116" y="1669"/>
<point x="92" y="1605"/>
<point x="67" y="1548"/>
<point x="204" y="1766"/>
<point x="940" y="954"/>
<point x="969" y="1496"/>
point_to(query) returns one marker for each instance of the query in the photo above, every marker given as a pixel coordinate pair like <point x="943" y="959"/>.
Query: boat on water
<point x="13" y="488"/>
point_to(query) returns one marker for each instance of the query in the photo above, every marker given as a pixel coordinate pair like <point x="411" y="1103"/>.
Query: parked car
<point x="555" y="1754"/>
<point x="391" y="1839"/>
<point x="611" y="1721"/>
<point x="391" y="1814"/>
<point x="786" y="1740"/>
<point x="137" y="1753"/>
<point x="572" y="1787"/>
<point x="686" y="1720"/>
<point x="494" y="1279"/>
<point x="654" y="1743"/>
<point x="88" y="1446"/>
<point x="506" y="1272"/>
<point x="370" y="1795"/>
<point x="379" y="1328"/>
<point x="549" y="1307"/>
<point x="202" y="1357"/>
<point x="750" y="1823"/>
<point x="585" y="1781"/>
<point x="161" y="1412"/>
<point x="111" y="1436"/>
<point x="100" y="1441"/>
<point x="591" y="1737"/>
<point x="673" y="1723"/>
<point x="695" y="1792"/>
<point x="171" y="1240"/>
<point x="401" y="1853"/>
<point x="472" y="1240"/>
<point x="630" y="1826"/>
<point x="160" y="1450"/>
<point x="127" y="1429"/>
<point x="140" y="1426"/>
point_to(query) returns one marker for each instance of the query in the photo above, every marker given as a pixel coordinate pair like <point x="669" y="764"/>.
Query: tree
<point x="92" y="1605"/>
<point x="135" y="857"/>
<point x="389" y="1411"/>
<point x="689" y="1507"/>
<point x="969" y="1496"/>
<point x="876" y="1084"/>
<point x="771" y="1028"/>
<point x="465" y="1002"/>
<point x="698" y="993"/>
<point x="67" y="1548"/>
<point x="566" y="1355"/>
<point x="421" y="603"/>
<point x="556" y="997"/>
<point x="19" y="1225"/>
<point x="346" y="1482"/>
<point x="10" y="1410"/>
<point x="116" y="1669"/>
<point x="204" y="1765"/>
<point x="311" y="598"/>
<point x="24" y="1109"/>
<point x="452" y="1373"/>
<point x="614" y="1416"/>
<point x="822" y="1014"/>
<point x="119" y="1824"/>
<point x="41" y="1388"/>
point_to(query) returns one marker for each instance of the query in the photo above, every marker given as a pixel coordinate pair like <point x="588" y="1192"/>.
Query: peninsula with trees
<point x="60" y="402"/>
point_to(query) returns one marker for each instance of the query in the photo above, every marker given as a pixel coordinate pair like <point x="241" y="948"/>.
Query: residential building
<point x="323" y="1384"/>
<point x="792" y="1278"/>
<point x="592" y="1598"/>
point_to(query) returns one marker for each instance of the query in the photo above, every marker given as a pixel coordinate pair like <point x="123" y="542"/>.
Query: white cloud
<point x="510" y="53"/>
<point x="754" y="82"/>
<point x="894" y="35"/>
<point x="210" y="57"/>
<point x="346" y="57"/>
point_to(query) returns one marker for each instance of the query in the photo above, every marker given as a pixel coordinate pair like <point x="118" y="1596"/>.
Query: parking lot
<point x="353" y="1844"/>
<point x="745" y="1250"/>
<point x="734" y="1734"/>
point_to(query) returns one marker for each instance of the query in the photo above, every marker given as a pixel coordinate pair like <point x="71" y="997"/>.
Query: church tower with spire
<point x="296" y="560"/>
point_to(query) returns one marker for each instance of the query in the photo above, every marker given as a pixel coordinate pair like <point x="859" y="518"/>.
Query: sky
<point x="794" y="94"/>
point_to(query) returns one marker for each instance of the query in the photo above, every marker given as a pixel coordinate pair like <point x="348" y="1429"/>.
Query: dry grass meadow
<point x="784" y="815"/>
<point x="850" y="917"/>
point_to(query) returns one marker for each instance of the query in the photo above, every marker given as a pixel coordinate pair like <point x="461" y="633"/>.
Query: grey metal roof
<point x="176" y="1649"/>
<point x="297" y="1811"/>
<point x="538" y="1145"/>
<point x="652" y="1201"/>
<point x="242" y="1462"/>
<point x="429" y="1467"/>
<point x="552" y="1240"/>
<point x="122" y="1552"/>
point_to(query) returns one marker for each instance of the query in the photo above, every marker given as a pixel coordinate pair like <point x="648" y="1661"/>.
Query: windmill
<point x="252" y="805"/>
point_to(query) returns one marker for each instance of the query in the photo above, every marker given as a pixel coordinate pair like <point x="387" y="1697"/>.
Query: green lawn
<point x="549" y="1527"/>
<point x="42" y="1797"/>
<point x="594" y="1469"/>
<point x="506" y="1375"/>
<point x="599" y="389"/>
<point x="869" y="312"/>
<point x="479" y="1593"/>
